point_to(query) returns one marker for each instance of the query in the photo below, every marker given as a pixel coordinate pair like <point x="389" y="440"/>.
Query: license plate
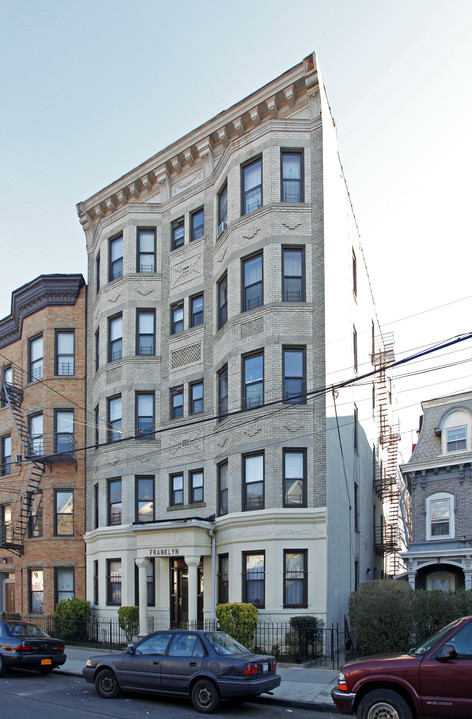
<point x="265" y="666"/>
<point x="45" y="661"/>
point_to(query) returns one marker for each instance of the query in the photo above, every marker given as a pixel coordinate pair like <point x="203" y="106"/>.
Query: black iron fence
<point x="318" y="645"/>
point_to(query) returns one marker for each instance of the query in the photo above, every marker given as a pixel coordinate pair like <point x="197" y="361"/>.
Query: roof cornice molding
<point x="199" y="147"/>
<point x="44" y="291"/>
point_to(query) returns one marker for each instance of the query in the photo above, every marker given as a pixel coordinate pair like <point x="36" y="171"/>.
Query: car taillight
<point x="252" y="668"/>
<point x="342" y="684"/>
<point x="273" y="665"/>
<point x="24" y="647"/>
<point x="60" y="648"/>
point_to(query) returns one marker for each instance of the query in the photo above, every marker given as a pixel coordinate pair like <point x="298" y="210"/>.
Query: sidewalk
<point x="304" y="687"/>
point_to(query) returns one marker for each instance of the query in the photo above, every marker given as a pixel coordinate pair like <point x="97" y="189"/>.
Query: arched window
<point x="440" y="516"/>
<point x="456" y="432"/>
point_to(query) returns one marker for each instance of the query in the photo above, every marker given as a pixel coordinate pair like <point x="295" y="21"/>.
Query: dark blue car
<point x="25" y="646"/>
<point x="205" y="666"/>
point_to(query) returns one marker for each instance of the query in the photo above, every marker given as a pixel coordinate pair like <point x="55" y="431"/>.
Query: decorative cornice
<point x="44" y="291"/>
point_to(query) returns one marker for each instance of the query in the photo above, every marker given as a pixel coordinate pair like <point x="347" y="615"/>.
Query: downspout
<point x="213" y="576"/>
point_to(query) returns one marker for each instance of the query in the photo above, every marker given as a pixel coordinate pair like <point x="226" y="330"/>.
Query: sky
<point x="91" y="88"/>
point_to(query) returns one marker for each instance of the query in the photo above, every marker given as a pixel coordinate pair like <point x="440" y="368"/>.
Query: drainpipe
<point x="213" y="576"/>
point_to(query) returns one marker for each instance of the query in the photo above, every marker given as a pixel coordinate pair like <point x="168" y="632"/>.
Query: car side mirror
<point x="447" y="651"/>
<point x="131" y="650"/>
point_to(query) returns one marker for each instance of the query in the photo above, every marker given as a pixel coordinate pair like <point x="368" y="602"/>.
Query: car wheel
<point x="2" y="667"/>
<point x="383" y="704"/>
<point x="106" y="684"/>
<point x="45" y="670"/>
<point x="205" y="696"/>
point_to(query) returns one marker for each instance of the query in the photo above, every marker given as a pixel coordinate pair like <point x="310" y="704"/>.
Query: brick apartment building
<point x="42" y="422"/>
<point x="227" y="289"/>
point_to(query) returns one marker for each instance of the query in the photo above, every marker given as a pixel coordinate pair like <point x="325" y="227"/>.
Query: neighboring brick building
<point x="42" y="422"/>
<point x="439" y="474"/>
<point x="227" y="289"/>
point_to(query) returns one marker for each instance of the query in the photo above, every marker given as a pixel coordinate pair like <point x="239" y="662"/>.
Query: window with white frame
<point x="455" y="430"/>
<point x="440" y="516"/>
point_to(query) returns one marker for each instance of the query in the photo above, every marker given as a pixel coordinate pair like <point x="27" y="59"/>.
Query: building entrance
<point x="179" y="593"/>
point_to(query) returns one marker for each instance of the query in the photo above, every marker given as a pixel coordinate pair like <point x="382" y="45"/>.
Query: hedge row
<point x="388" y="616"/>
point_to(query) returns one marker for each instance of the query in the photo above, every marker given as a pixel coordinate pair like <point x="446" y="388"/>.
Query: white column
<point x="468" y="579"/>
<point x="411" y="573"/>
<point x="142" y="564"/>
<point x="192" y="563"/>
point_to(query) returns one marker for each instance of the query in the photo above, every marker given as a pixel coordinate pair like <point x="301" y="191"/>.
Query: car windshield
<point x="435" y="639"/>
<point x="224" y="644"/>
<point x="26" y="630"/>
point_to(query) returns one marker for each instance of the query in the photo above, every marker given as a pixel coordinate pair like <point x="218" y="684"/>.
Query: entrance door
<point x="179" y="593"/>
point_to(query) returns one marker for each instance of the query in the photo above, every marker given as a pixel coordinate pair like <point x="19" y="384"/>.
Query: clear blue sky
<point x="91" y="88"/>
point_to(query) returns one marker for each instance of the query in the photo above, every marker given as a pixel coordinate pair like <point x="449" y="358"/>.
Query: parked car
<point x="205" y="666"/>
<point x="433" y="680"/>
<point x="25" y="646"/>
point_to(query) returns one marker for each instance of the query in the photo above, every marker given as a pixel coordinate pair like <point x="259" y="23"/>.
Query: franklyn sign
<point x="164" y="552"/>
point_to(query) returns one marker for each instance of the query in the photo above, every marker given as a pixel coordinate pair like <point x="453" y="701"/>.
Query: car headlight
<point x="88" y="663"/>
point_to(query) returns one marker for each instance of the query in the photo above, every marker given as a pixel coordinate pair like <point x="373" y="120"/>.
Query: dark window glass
<point x="196" y="486"/>
<point x="222" y="301"/>
<point x="253" y="472"/>
<point x="96" y="508"/>
<point x="177" y="317"/>
<point x="223" y="578"/>
<point x="145" y="332"/>
<point x="95" y="581"/>
<point x="223" y="393"/>
<point x="176" y="489"/>
<point x="292" y="176"/>
<point x="354" y="273"/>
<point x="253" y="381"/>
<point x="254" y="578"/>
<point x="177" y="402"/>
<point x="294" y="478"/>
<point x="97" y="274"/>
<point x="293" y="280"/>
<point x="146" y="251"/>
<point x="35" y="522"/>
<point x="144" y="499"/>
<point x="223" y="206"/>
<point x="354" y="348"/>
<point x="294" y="375"/>
<point x="97" y="350"/>
<point x="196" y="228"/>
<point x="196" y="310"/>
<point x="252" y="283"/>
<point x="295" y="578"/>
<point x="356" y="428"/>
<point x="145" y="415"/>
<point x="178" y="233"/>
<point x="116" y="258"/>
<point x="114" y="501"/>
<point x="223" y="488"/>
<point x="252" y="186"/>
<point x="114" y="582"/>
<point x="65" y="353"/>
<point x="196" y="398"/>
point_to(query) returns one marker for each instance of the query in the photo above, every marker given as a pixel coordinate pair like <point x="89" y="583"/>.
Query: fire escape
<point x="35" y="458"/>
<point x="388" y="483"/>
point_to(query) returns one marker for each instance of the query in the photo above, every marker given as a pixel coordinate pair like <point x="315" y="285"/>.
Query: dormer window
<point x="455" y="431"/>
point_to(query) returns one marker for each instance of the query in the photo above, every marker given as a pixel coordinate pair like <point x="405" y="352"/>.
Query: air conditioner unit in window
<point x="221" y="228"/>
<point x="18" y="458"/>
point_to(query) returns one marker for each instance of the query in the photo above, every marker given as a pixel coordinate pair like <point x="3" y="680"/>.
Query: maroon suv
<point x="433" y="680"/>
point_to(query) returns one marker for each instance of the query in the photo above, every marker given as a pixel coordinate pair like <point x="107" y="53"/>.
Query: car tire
<point x="383" y="704"/>
<point x="106" y="684"/>
<point x="205" y="696"/>
<point x="45" y="670"/>
<point x="2" y="667"/>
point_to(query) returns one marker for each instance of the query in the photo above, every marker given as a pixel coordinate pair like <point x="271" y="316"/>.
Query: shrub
<point x="70" y="619"/>
<point x="302" y="635"/>
<point x="128" y="619"/>
<point x="239" y="620"/>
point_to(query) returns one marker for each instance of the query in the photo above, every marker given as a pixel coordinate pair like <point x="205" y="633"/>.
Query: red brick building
<point x="42" y="424"/>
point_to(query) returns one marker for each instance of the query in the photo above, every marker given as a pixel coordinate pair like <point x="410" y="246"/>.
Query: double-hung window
<point x="196" y="225"/>
<point x="223" y="578"/>
<point x="222" y="301"/>
<point x="223" y="208"/>
<point x="5" y="523"/>
<point x="63" y="430"/>
<point x="36" y="358"/>
<point x="196" y="397"/>
<point x="196" y="486"/>
<point x="294" y="390"/>
<point x="254" y="578"/>
<point x="65" y="353"/>
<point x="36" y="591"/>
<point x="64" y="584"/>
<point x="36" y="433"/>
<point x="223" y="488"/>
<point x="144" y="499"/>
<point x="178" y="233"/>
<point x="97" y="350"/>
<point x="253" y="478"/>
<point x="115" y="336"/>
<point x="146" y="251"/>
<point x="64" y="513"/>
<point x="456" y="439"/>
<point x="251" y="186"/>
<point x="294" y="477"/>
<point x="252" y="276"/>
<point x="97" y="274"/>
<point x="177" y="317"/>
<point x="5" y="457"/>
<point x="293" y="278"/>
<point x="196" y="310"/>
<point x="114" y="582"/>
<point x="292" y="176"/>
<point x="176" y="490"/>
<point x="145" y="414"/>
<point x="145" y="336"/>
<point x="116" y="258"/>
<point x="35" y="521"/>
<point x="253" y="380"/>
<point x="440" y="516"/>
<point x="177" y="402"/>
<point x="8" y="380"/>
<point x="114" y="419"/>
<point x="295" y="578"/>
<point x="223" y="392"/>
<point x="115" y="504"/>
